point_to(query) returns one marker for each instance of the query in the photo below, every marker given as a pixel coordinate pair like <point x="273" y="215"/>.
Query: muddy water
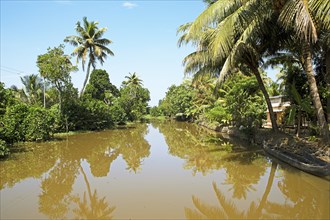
<point x="159" y="170"/>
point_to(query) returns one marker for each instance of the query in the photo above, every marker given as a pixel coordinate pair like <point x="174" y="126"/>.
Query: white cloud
<point x="129" y="5"/>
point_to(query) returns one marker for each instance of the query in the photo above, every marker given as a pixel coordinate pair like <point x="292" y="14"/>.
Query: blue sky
<point x="143" y="34"/>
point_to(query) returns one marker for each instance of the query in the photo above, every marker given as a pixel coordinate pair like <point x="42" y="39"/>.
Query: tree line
<point x="49" y="103"/>
<point x="243" y="38"/>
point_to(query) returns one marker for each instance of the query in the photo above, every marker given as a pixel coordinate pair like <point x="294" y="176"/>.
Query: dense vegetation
<point x="235" y="41"/>
<point x="51" y="104"/>
<point x="239" y="37"/>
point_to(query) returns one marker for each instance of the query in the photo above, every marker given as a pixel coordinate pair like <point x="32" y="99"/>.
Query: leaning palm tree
<point x="232" y="30"/>
<point x="89" y="42"/>
<point x="241" y="31"/>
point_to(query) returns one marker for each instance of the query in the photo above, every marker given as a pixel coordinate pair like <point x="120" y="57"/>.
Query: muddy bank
<point x="283" y="142"/>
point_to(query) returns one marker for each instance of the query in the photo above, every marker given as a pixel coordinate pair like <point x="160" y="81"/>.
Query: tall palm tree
<point x="231" y="30"/>
<point x="133" y="80"/>
<point x="245" y="30"/>
<point x="89" y="42"/>
<point x="307" y="19"/>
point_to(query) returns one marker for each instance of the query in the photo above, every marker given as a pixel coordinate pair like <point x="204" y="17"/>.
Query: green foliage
<point x="24" y="123"/>
<point x="38" y="125"/>
<point x="134" y="100"/>
<point x="155" y="111"/>
<point x="4" y="150"/>
<point x="32" y="92"/>
<point x="13" y="129"/>
<point x="6" y="98"/>
<point x="55" y="66"/>
<point x="178" y="99"/>
<point x="89" y="43"/>
<point x="219" y="114"/>
<point x="99" y="86"/>
<point x="245" y="102"/>
<point x="118" y="114"/>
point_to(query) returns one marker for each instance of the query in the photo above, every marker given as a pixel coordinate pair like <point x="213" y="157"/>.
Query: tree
<point x="178" y="99"/>
<point x="231" y="31"/>
<point x="33" y="89"/>
<point x="244" y="31"/>
<point x="133" y="97"/>
<point x="99" y="86"/>
<point x="89" y="42"/>
<point x="307" y="19"/>
<point x="55" y="66"/>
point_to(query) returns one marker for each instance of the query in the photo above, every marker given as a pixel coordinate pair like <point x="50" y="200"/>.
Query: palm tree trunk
<point x="86" y="79"/>
<point x="327" y="78"/>
<point x="324" y="129"/>
<point x="269" y="104"/>
<point x="298" y="123"/>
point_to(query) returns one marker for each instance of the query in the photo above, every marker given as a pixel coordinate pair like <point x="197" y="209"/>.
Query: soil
<point x="288" y="143"/>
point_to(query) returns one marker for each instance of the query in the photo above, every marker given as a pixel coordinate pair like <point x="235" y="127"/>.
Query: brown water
<point x="159" y="170"/>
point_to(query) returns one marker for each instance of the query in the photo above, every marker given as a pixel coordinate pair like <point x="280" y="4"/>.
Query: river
<point x="157" y="170"/>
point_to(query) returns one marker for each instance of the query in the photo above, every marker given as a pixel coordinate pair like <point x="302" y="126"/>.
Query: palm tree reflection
<point x="227" y="209"/>
<point x="96" y="208"/>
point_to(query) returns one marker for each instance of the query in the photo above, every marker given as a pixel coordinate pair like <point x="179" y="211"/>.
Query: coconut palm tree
<point x="133" y="80"/>
<point x="89" y="42"/>
<point x="33" y="89"/>
<point x="244" y="31"/>
<point x="307" y="19"/>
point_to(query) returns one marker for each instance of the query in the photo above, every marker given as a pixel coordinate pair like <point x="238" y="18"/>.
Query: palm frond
<point x="321" y="11"/>
<point x="296" y="15"/>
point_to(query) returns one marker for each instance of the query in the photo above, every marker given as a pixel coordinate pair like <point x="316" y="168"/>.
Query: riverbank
<point x="283" y="142"/>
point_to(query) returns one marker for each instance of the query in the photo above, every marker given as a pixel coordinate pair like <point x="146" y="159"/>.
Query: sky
<point x="143" y="34"/>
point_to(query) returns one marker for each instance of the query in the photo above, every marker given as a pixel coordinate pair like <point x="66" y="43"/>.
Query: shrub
<point x="4" y="150"/>
<point x="219" y="114"/>
<point x="39" y="124"/>
<point x="13" y="123"/>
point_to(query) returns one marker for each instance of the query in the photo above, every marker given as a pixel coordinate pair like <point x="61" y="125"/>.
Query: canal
<point x="157" y="170"/>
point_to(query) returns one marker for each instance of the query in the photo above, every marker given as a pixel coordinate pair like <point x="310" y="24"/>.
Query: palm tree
<point x="307" y="19"/>
<point x="89" y="42"/>
<point x="33" y="89"/>
<point x="244" y="31"/>
<point x="133" y="80"/>
<point x="231" y="30"/>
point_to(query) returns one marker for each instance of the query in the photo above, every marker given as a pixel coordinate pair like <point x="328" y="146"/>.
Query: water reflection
<point x="95" y="208"/>
<point x="58" y="164"/>
<point x="91" y="175"/>
<point x="186" y="141"/>
<point x="243" y="171"/>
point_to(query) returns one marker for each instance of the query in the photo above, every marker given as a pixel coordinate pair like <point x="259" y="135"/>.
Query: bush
<point x="38" y="124"/>
<point x="118" y="114"/>
<point x="219" y="114"/>
<point x="23" y="123"/>
<point x="13" y="129"/>
<point x="155" y="111"/>
<point x="4" y="150"/>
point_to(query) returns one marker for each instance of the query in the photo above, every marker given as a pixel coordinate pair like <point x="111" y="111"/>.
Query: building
<point x="279" y="104"/>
